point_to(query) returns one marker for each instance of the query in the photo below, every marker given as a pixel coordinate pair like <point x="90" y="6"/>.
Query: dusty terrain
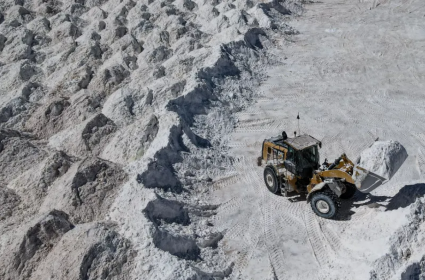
<point x="130" y="132"/>
<point x="355" y="72"/>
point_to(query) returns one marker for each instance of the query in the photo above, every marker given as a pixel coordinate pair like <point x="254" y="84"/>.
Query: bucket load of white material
<point x="378" y="164"/>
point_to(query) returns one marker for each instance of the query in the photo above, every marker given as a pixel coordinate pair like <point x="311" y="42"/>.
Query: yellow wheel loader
<point x="292" y="165"/>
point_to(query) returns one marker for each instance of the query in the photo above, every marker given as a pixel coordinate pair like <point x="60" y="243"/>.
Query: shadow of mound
<point x="406" y="196"/>
<point x="359" y="199"/>
<point x="367" y="199"/>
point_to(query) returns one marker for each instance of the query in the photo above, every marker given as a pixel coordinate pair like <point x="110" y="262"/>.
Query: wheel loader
<point x="292" y="165"/>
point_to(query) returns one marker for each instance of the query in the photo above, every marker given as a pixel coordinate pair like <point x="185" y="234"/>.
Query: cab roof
<point x="298" y="143"/>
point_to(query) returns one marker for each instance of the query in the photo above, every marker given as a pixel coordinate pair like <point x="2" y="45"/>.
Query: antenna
<point x="298" y="118"/>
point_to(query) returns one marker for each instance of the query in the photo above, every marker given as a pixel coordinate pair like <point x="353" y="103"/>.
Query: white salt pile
<point x="383" y="158"/>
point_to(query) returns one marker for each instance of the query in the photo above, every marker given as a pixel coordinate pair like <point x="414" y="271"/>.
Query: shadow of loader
<point x="404" y="198"/>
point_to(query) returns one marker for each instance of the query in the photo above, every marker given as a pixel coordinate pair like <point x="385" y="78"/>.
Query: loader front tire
<point x="350" y="190"/>
<point x="271" y="180"/>
<point x="325" y="204"/>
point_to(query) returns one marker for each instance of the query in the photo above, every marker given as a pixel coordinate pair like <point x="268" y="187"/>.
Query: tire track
<point x="225" y="182"/>
<point x="316" y="239"/>
<point x="268" y="229"/>
<point x="273" y="226"/>
<point x="353" y="97"/>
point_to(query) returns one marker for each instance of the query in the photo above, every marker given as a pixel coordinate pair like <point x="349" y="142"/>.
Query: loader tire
<point x="271" y="180"/>
<point x="350" y="190"/>
<point x="325" y="204"/>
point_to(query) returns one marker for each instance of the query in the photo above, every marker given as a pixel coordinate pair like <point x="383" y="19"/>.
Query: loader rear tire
<point x="271" y="180"/>
<point x="325" y="204"/>
<point x="350" y="190"/>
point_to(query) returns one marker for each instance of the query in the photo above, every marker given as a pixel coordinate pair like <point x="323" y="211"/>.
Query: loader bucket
<point x="366" y="181"/>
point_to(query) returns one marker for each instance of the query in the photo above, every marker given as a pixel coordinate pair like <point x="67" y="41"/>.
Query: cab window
<point x="290" y="154"/>
<point x="278" y="156"/>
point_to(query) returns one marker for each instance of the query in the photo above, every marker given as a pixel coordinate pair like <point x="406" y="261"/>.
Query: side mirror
<point x="320" y="145"/>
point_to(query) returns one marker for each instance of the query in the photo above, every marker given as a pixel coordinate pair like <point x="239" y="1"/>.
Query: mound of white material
<point x="383" y="158"/>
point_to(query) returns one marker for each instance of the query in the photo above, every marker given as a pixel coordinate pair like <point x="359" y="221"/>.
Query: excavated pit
<point x="93" y="188"/>
<point x="37" y="243"/>
<point x="95" y="134"/>
<point x="58" y="164"/>
<point x="101" y="253"/>
<point x="107" y="258"/>
<point x="17" y="153"/>
<point x="9" y="200"/>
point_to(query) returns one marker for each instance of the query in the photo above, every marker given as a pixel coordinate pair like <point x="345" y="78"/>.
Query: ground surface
<point x="129" y="132"/>
<point x="355" y="72"/>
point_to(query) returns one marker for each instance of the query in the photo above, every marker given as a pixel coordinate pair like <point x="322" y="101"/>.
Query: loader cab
<point x="306" y="161"/>
<point x="298" y="155"/>
<point x="289" y="162"/>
